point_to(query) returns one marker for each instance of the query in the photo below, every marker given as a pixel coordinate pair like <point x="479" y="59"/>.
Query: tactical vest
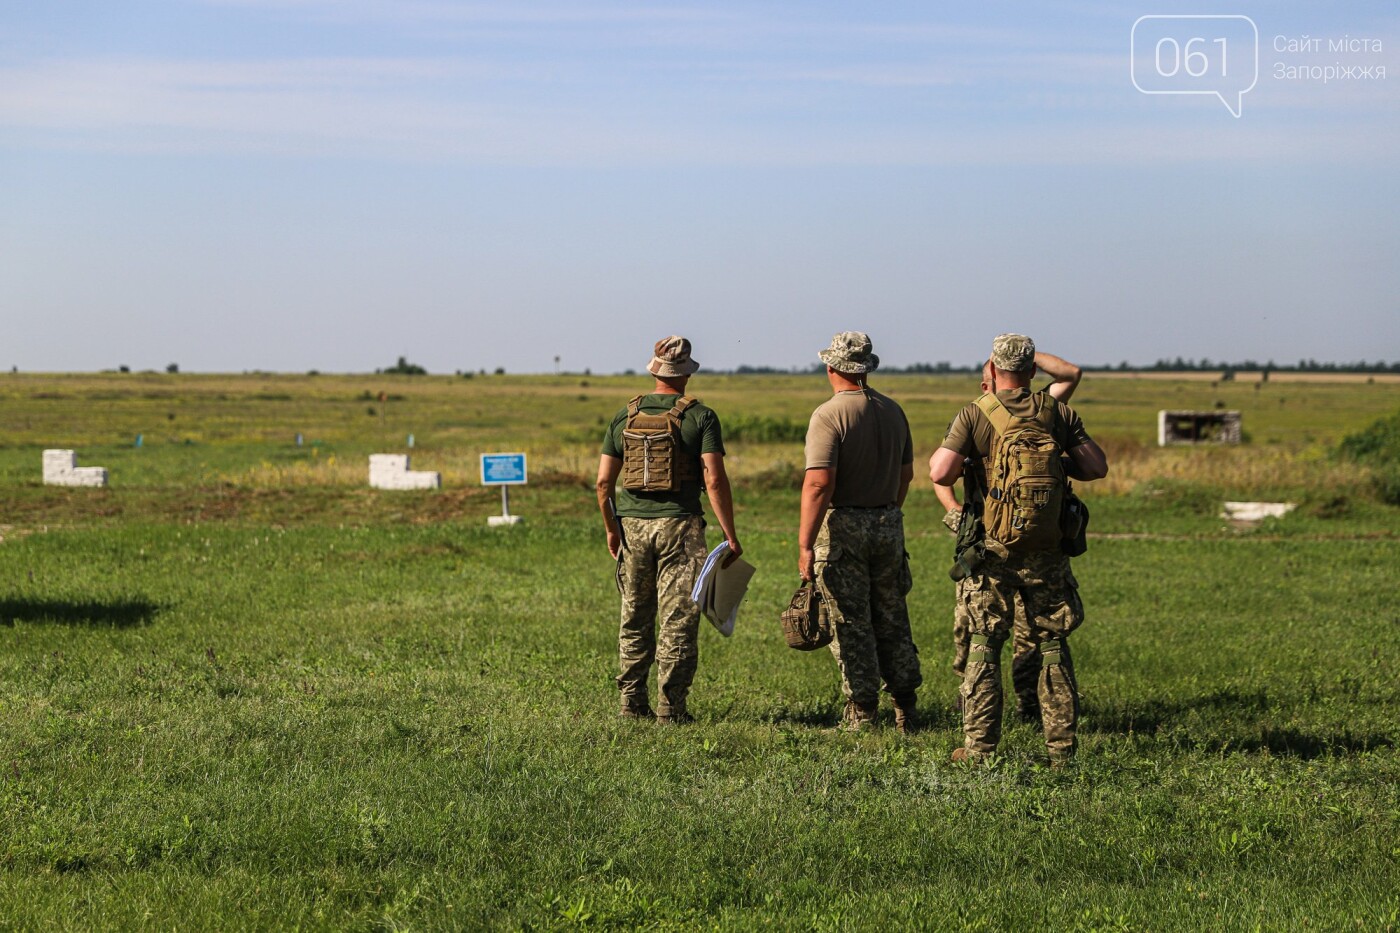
<point x="653" y="459"/>
<point x="1026" y="483"/>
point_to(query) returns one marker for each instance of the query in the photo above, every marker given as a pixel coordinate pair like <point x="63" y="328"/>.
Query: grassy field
<point x="240" y="690"/>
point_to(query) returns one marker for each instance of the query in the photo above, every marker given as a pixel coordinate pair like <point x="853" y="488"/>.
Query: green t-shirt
<point x="700" y="434"/>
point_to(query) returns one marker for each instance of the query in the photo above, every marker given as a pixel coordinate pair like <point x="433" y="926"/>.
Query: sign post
<point x="504" y="470"/>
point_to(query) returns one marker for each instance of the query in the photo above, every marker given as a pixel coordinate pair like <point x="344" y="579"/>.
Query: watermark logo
<point x="1205" y="54"/>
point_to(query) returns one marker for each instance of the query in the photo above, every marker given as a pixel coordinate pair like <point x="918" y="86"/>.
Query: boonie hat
<point x="850" y="352"/>
<point x="1013" y="353"/>
<point x="671" y="357"/>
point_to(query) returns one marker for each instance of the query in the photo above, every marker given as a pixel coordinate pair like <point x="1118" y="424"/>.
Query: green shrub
<point x="761" y="429"/>
<point x="1379" y="444"/>
<point x="1386" y="482"/>
<point x="782" y="475"/>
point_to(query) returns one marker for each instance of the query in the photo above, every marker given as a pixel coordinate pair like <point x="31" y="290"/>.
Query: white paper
<point x="719" y="590"/>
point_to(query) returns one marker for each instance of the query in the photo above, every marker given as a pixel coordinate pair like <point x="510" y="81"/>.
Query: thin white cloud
<point x="374" y="108"/>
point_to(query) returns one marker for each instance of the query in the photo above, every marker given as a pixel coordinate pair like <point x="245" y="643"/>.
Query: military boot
<point x="906" y="717"/>
<point x="859" y="717"/>
<point x="673" y="713"/>
<point x="968" y="757"/>
<point x="677" y="717"/>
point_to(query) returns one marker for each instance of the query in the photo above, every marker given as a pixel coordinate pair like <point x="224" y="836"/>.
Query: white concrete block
<point x="88" y="476"/>
<point x="1255" y="511"/>
<point x="390" y="471"/>
<point x="61" y="469"/>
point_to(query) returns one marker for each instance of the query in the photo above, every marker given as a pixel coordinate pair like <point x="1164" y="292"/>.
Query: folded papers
<point x="719" y="589"/>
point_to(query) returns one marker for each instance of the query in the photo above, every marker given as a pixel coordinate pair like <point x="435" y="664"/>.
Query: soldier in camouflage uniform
<point x="658" y="541"/>
<point x="1025" y="656"/>
<point x="851" y="536"/>
<point x="1040" y="579"/>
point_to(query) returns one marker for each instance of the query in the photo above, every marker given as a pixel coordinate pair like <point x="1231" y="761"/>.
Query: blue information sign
<point x="502" y="469"/>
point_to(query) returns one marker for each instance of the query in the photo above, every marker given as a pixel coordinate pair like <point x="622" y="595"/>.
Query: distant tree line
<point x="1181" y="365"/>
<point x="941" y="367"/>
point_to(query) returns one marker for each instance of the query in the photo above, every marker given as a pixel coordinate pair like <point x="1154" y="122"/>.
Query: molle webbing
<point x="653" y="458"/>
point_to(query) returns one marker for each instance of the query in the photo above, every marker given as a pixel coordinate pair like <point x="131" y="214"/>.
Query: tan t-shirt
<point x="865" y="438"/>
<point x="972" y="435"/>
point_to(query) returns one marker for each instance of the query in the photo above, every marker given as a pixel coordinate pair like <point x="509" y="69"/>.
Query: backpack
<point x="1026" y="484"/>
<point x="653" y="459"/>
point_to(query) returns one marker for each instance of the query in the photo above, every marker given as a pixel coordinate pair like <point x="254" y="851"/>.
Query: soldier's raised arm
<point x="1063" y="374"/>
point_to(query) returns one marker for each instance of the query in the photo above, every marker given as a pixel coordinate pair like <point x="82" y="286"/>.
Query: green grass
<point x="225" y="704"/>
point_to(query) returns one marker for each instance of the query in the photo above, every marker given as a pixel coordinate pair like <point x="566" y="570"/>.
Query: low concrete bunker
<point x="1197" y="427"/>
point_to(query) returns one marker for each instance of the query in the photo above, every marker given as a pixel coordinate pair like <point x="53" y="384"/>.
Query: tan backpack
<point x="1026" y="483"/>
<point x="652" y="457"/>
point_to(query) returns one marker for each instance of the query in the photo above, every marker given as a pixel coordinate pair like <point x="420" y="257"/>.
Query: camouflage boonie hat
<point x="850" y="352"/>
<point x="671" y="357"/>
<point x="1013" y="353"/>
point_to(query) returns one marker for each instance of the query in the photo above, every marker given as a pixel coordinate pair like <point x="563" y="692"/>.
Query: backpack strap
<point x="995" y="411"/>
<point x="634" y="406"/>
<point x="684" y="402"/>
<point x="1046" y="411"/>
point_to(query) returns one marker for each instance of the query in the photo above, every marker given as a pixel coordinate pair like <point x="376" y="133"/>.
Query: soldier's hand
<point x="806" y="564"/>
<point x="734" y="551"/>
<point x="614" y="544"/>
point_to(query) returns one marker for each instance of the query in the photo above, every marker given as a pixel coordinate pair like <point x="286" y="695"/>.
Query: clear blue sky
<point x="330" y="184"/>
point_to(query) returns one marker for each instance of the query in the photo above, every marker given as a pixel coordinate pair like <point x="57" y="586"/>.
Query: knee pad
<point x="1052" y="651"/>
<point x="986" y="649"/>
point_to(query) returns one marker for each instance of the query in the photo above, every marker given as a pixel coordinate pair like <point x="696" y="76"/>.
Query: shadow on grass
<point x="828" y="715"/>
<point x="1167" y="716"/>
<point x="1292" y="743"/>
<point x="116" y="613"/>
<point x="819" y="716"/>
<point x="1152" y="715"/>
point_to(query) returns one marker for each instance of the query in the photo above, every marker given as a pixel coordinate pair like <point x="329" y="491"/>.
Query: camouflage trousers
<point x="1043" y="584"/>
<point x="863" y="571"/>
<point x="1025" y="655"/>
<point x="659" y="564"/>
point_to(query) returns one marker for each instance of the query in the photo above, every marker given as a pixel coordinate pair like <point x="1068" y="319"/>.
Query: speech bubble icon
<point x="1196" y="54"/>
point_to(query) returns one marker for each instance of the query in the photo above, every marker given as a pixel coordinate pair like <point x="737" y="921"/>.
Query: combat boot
<point x="636" y="711"/>
<point x="906" y="717"/>
<point x="859" y="717"/>
<point x="675" y="718"/>
<point x="673" y="713"/>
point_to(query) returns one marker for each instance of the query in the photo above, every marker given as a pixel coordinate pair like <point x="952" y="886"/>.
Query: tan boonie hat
<point x="850" y="352"/>
<point x="672" y="358"/>
<point x="1013" y="353"/>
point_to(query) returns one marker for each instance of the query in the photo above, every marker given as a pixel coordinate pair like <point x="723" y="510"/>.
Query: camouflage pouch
<point x="806" y="625"/>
